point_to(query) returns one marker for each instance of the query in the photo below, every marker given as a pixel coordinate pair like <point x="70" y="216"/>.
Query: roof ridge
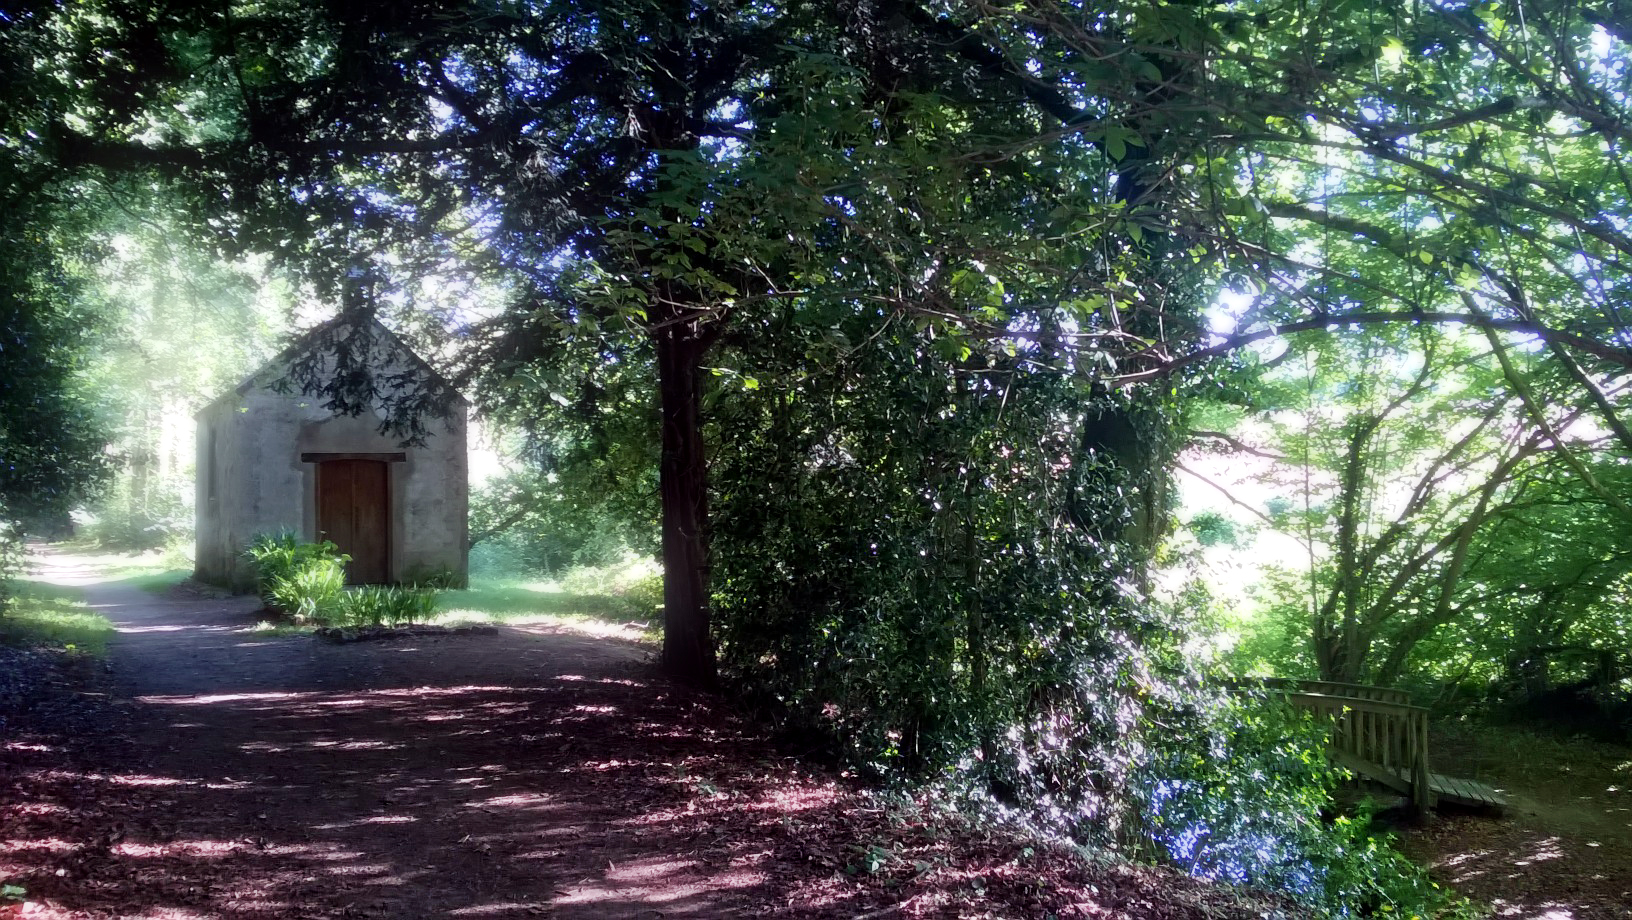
<point x="310" y="339"/>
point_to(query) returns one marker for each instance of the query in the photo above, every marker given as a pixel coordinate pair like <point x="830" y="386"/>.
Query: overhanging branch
<point x="81" y="150"/>
<point x="1620" y="357"/>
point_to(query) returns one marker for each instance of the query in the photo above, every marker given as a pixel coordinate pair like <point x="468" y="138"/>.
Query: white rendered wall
<point x="251" y="480"/>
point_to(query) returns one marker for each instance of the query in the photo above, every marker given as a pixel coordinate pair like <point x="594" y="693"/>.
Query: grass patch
<point x="120" y="567"/>
<point x="520" y="603"/>
<point x="497" y="601"/>
<point x="53" y="615"/>
<point x="154" y="571"/>
<point x="156" y="582"/>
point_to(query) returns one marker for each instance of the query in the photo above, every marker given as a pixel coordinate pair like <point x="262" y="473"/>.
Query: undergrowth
<point x="53" y="615"/>
<point x="307" y="582"/>
<point x="1247" y="801"/>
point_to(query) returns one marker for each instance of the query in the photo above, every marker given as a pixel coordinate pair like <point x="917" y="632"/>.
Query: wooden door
<point x="353" y="510"/>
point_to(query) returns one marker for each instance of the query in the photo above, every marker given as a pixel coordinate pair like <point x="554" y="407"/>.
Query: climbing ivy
<point x="933" y="563"/>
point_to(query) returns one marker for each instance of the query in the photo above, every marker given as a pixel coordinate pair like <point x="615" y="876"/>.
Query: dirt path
<point x="462" y="776"/>
<point x="1563" y="848"/>
<point x="525" y="774"/>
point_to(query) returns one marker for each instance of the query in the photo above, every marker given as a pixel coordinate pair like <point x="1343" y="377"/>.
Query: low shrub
<point x="386" y="605"/>
<point x="280" y="560"/>
<point x="307" y="581"/>
<point x="632" y="576"/>
<point x="127" y="521"/>
<point x="594" y="579"/>
<point x="312" y="592"/>
<point x="12" y="557"/>
<point x="645" y="594"/>
<point x="1243" y="799"/>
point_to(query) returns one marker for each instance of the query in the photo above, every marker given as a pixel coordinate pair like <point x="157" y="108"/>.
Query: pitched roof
<point x="313" y="339"/>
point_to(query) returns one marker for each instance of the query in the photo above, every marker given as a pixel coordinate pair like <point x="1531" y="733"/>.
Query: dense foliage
<point x="1445" y="535"/>
<point x="50" y="439"/>
<point x="307" y="583"/>
<point x="296" y="578"/>
<point x="1247" y="802"/>
<point x="51" y="436"/>
<point x="894" y="309"/>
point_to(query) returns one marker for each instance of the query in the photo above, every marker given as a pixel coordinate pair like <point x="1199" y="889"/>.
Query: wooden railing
<point x="1376" y="732"/>
<point x="1336" y="688"/>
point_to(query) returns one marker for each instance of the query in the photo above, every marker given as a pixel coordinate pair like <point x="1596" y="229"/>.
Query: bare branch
<point x="1620" y="357"/>
<point x="1236" y="445"/>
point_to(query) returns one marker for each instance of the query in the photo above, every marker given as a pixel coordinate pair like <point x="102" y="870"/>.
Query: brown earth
<point x="1562" y="850"/>
<point x="216" y="773"/>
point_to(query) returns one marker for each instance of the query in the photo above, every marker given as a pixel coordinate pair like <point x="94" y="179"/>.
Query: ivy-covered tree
<point x="640" y="171"/>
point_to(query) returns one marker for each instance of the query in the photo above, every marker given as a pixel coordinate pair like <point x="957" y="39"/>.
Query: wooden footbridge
<point x="1379" y="735"/>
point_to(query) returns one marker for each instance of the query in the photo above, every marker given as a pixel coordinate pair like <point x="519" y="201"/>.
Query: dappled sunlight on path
<point x="527" y="772"/>
<point x="1528" y="874"/>
<point x="461" y="776"/>
<point x="1563" y="848"/>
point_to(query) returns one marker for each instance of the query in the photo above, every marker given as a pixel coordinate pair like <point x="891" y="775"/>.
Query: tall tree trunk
<point x="975" y="613"/>
<point x="1350" y="579"/>
<point x="688" y="645"/>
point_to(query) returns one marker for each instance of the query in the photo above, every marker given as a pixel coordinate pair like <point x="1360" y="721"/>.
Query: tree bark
<point x="688" y="645"/>
<point x="1337" y="645"/>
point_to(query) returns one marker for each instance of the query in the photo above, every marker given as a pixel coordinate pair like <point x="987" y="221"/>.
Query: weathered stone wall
<point x="251" y="480"/>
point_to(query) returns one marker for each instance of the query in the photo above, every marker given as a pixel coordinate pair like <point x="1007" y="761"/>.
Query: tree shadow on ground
<point x="506" y="776"/>
<point x="1562" y="850"/>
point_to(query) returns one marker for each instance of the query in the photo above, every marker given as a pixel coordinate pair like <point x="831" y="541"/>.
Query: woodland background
<point x="985" y="380"/>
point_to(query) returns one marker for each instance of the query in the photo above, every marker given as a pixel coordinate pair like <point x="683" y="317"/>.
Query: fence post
<point x="1422" y="797"/>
